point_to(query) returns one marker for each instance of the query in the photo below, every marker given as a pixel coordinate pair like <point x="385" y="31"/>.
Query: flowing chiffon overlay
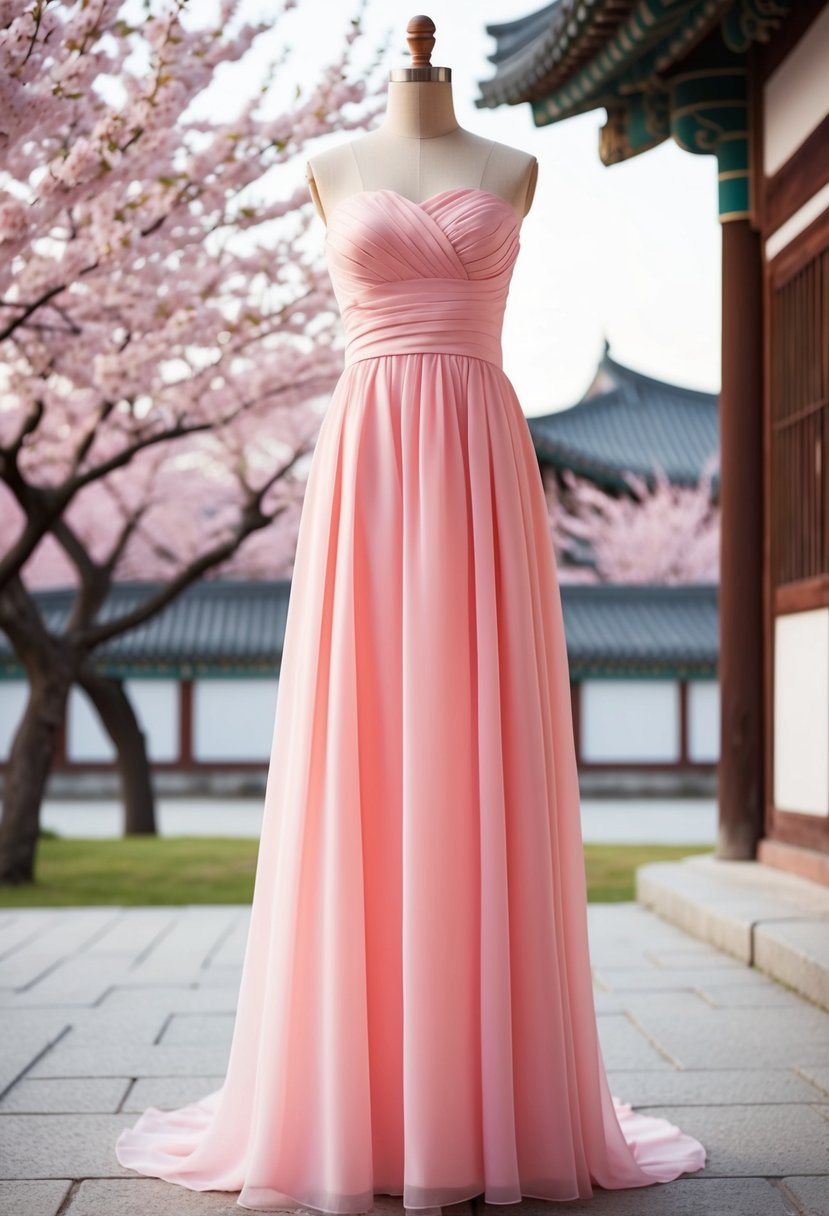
<point x="415" y="1015"/>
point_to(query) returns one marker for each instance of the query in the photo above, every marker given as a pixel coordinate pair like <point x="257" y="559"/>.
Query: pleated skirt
<point x="415" y="1014"/>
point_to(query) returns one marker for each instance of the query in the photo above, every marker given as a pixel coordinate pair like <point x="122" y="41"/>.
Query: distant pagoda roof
<point x="238" y="628"/>
<point x="630" y="422"/>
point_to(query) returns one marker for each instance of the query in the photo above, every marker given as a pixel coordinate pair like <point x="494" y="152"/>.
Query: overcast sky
<point x="630" y="252"/>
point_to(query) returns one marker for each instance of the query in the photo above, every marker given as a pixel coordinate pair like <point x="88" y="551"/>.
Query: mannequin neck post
<point x="419" y="109"/>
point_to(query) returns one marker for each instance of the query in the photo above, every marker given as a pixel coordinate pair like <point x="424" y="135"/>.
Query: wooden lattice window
<point x="800" y="424"/>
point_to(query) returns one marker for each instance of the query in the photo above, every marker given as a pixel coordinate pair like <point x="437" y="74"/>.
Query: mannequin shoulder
<point x="331" y="161"/>
<point x="331" y="174"/>
<point x="512" y="172"/>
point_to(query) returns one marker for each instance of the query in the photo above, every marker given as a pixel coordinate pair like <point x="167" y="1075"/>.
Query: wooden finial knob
<point x="420" y="35"/>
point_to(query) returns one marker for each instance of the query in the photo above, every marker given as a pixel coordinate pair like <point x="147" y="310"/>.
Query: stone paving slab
<point x="818" y="1076"/>
<point x="19" y="927"/>
<point x="744" y="996"/>
<point x="150" y="1197"/>
<point x="687" y="957"/>
<point x="709" y="1086"/>
<point x="688" y="979"/>
<point x="728" y="1038"/>
<point x="185" y="948"/>
<point x="81" y="1095"/>
<point x="623" y="1046"/>
<point x="22" y="1044"/>
<point x="803" y="1019"/>
<point x="220" y="975"/>
<point x="810" y="1194"/>
<point x="762" y="916"/>
<point x="132" y="1059"/>
<point x="115" y="1026"/>
<point x="82" y="980"/>
<point x="104" y="1026"/>
<point x="53" y="943"/>
<point x="751" y="1140"/>
<point x="172" y="999"/>
<point x="129" y="937"/>
<point x="796" y="952"/>
<point x="37" y="1198"/>
<point x="64" y="1146"/>
<point x="212" y="1028"/>
<point x="682" y="1197"/>
<point x="169" y="1092"/>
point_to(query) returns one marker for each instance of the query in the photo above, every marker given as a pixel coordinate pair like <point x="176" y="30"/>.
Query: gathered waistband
<point x="416" y="316"/>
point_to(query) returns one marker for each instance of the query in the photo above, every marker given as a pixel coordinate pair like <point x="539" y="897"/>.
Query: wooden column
<point x="740" y="783"/>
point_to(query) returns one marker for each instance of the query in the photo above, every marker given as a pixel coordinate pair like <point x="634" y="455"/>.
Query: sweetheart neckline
<point x="424" y="203"/>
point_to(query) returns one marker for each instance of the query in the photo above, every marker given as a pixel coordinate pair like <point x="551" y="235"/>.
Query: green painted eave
<point x="640" y="671"/>
<point x="661" y="68"/>
<point x="655" y="37"/>
<point x="190" y="669"/>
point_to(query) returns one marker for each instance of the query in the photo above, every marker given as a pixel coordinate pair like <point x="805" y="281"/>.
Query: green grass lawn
<point x="611" y="868"/>
<point x="220" y="870"/>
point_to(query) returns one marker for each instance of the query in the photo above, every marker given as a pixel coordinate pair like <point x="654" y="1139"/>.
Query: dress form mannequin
<point x="420" y="149"/>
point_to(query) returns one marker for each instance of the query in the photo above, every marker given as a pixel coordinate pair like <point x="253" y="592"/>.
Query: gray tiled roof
<point x="528" y="49"/>
<point x="512" y="37"/>
<point x="223" y="627"/>
<point x="640" y="629"/>
<point x="632" y="423"/>
<point x="211" y="626"/>
<point x="546" y="49"/>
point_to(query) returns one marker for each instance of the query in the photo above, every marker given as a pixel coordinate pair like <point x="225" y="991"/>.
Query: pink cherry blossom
<point x="167" y="325"/>
<point x="664" y="533"/>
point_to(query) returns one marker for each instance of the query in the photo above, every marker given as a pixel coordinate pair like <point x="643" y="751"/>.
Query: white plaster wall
<point x="156" y="705"/>
<point x="704" y="721"/>
<point x="233" y="719"/>
<point x="629" y="720"/>
<point x="13" y="697"/>
<point x="796" y="95"/>
<point x="801" y="712"/>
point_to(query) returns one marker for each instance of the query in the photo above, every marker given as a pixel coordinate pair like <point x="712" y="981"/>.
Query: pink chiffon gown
<point x="416" y="1015"/>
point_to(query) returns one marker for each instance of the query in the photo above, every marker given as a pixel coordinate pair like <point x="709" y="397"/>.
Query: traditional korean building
<point x="626" y="421"/>
<point x="747" y="82"/>
<point x="203" y="676"/>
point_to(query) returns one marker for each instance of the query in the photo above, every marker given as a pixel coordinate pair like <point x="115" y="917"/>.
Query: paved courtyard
<point x="105" y="1011"/>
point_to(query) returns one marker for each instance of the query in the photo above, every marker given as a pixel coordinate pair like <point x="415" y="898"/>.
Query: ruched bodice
<point x="413" y="277"/>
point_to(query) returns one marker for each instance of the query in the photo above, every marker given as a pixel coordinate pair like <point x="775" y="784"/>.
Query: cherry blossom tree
<point x="659" y="533"/>
<point x="167" y="336"/>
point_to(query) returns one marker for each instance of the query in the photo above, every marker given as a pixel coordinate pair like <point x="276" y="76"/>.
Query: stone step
<point x="765" y="917"/>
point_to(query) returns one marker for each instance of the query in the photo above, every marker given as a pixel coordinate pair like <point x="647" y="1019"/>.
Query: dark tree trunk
<point x="116" y="713"/>
<point x="50" y="668"/>
<point x="27" y="772"/>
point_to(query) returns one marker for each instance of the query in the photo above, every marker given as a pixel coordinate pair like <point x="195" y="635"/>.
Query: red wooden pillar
<point x="740" y="779"/>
